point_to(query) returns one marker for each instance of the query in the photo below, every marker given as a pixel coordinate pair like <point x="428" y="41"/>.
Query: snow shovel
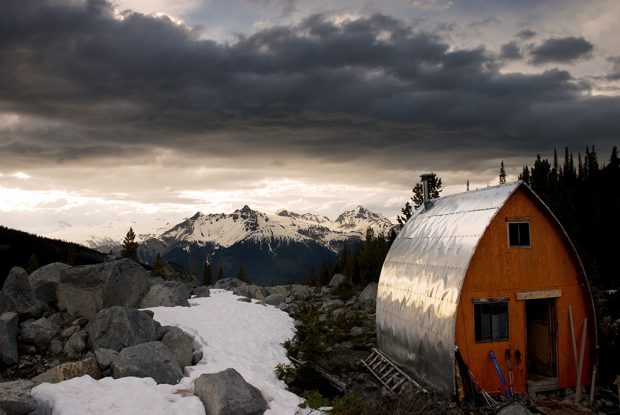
<point x="501" y="376"/>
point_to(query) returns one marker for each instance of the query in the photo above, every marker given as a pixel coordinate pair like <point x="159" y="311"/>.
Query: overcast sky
<point x="149" y="108"/>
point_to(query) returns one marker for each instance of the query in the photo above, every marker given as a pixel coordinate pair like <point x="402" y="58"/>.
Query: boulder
<point x="228" y="283"/>
<point x="197" y="354"/>
<point x="356" y="332"/>
<point x="39" y="332"/>
<point x="227" y="393"/>
<point x="76" y="344"/>
<point x="44" y="282"/>
<point x="168" y="294"/>
<point x="69" y="331"/>
<point x="301" y="292"/>
<point x="201" y="292"/>
<point x="340" y="315"/>
<point x="332" y="305"/>
<point x="85" y="290"/>
<point x="70" y="370"/>
<point x="251" y="291"/>
<point x="17" y="295"/>
<point x="368" y="296"/>
<point x="514" y="408"/>
<point x="152" y="360"/>
<point x="55" y="346"/>
<point x="9" y="323"/>
<point x="180" y="344"/>
<point x="105" y="357"/>
<point x="15" y="398"/>
<point x="274" y="299"/>
<point x="279" y="289"/>
<point x="119" y="327"/>
<point x="337" y="279"/>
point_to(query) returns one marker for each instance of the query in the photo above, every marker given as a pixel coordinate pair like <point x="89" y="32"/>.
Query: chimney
<point x="426" y="198"/>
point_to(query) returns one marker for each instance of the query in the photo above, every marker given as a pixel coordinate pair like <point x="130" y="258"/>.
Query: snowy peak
<point x="360" y="219"/>
<point x="310" y="217"/>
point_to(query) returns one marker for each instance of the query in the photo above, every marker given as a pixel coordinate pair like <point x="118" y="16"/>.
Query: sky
<point x="140" y="109"/>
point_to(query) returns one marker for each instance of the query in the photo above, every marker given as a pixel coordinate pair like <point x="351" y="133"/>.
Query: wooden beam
<point x="535" y="295"/>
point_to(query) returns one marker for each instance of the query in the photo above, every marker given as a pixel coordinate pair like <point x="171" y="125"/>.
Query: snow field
<point x="240" y="335"/>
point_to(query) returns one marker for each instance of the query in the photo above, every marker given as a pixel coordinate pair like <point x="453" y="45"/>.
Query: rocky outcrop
<point x="17" y="295"/>
<point x="15" y="398"/>
<point x="85" y="290"/>
<point x="8" y="338"/>
<point x="168" y="294"/>
<point x="274" y="299"/>
<point x="180" y="344"/>
<point x="76" y="344"/>
<point x="152" y="359"/>
<point x="336" y="280"/>
<point x="227" y="393"/>
<point x="229" y="283"/>
<point x="44" y="282"/>
<point x="368" y="296"/>
<point x="119" y="327"/>
<point x="201" y="292"/>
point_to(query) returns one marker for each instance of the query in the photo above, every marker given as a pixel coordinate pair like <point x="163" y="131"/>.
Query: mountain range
<point x="272" y="248"/>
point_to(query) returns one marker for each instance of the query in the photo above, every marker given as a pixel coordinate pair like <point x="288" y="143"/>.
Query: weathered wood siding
<point x="499" y="271"/>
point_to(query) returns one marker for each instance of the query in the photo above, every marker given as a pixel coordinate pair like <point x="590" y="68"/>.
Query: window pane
<point x="513" y="234"/>
<point x="491" y="321"/>
<point x="519" y="234"/>
<point x="524" y="234"/>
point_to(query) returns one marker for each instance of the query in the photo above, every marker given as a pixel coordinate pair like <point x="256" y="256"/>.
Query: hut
<point x="481" y="271"/>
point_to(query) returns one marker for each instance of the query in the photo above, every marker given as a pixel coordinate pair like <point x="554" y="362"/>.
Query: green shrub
<point x="314" y="400"/>
<point x="350" y="405"/>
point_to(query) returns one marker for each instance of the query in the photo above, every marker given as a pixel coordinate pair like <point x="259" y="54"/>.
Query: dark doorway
<point x="541" y="338"/>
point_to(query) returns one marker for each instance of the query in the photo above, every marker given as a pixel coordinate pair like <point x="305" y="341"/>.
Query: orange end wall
<point x="497" y="271"/>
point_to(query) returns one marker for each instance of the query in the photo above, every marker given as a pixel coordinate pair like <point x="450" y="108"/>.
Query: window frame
<point x="529" y="229"/>
<point x="490" y="302"/>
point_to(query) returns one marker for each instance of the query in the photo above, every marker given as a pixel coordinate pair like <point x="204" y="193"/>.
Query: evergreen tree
<point x="206" y="274"/>
<point x="130" y="246"/>
<point x="467" y="186"/>
<point x="502" y="173"/>
<point x="614" y="160"/>
<point x="434" y="189"/>
<point x="220" y="274"/>
<point x="33" y="263"/>
<point x="159" y="266"/>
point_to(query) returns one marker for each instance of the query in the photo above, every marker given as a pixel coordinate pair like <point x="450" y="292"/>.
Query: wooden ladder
<point x="386" y="371"/>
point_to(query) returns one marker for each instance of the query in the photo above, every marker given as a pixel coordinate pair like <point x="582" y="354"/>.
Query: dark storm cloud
<point x="526" y="34"/>
<point x="614" y="74"/>
<point x="316" y="89"/>
<point x="561" y="50"/>
<point x="511" y="51"/>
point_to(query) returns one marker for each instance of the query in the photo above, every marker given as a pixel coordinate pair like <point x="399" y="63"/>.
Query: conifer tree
<point x="434" y="189"/>
<point x="241" y="275"/>
<point x="159" y="266"/>
<point x="33" y="263"/>
<point x="206" y="274"/>
<point x="220" y="274"/>
<point x="502" y="173"/>
<point x="467" y="186"/>
<point x="130" y="246"/>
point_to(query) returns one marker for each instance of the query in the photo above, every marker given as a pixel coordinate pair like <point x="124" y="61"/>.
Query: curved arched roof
<point x="422" y="277"/>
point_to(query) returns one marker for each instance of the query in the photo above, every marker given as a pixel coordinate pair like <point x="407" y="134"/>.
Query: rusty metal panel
<point x="421" y="281"/>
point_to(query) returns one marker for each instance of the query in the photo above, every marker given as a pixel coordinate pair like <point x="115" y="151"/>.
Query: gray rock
<point x="76" y="344"/>
<point x="55" y="346"/>
<point x="151" y="359"/>
<point x="84" y="290"/>
<point x="284" y="307"/>
<point x="514" y="409"/>
<point x="44" y="282"/>
<point x="119" y="327"/>
<point x="201" y="292"/>
<point x="279" y="289"/>
<point x="337" y="279"/>
<point x="105" y="357"/>
<point x="68" y="332"/>
<point x="197" y="355"/>
<point x="228" y="283"/>
<point x="356" y="332"/>
<point x="17" y="295"/>
<point x="227" y="393"/>
<point x="244" y="299"/>
<point x="9" y="323"/>
<point x="15" y="398"/>
<point x="168" y="294"/>
<point x="70" y="370"/>
<point x="332" y="305"/>
<point x="39" y="332"/>
<point x="341" y="315"/>
<point x="156" y="280"/>
<point x="59" y="318"/>
<point x="301" y="292"/>
<point x="180" y="344"/>
<point x="368" y="296"/>
<point x="274" y="299"/>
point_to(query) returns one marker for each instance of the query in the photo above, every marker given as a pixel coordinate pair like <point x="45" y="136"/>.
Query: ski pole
<point x="511" y="376"/>
<point x="501" y="376"/>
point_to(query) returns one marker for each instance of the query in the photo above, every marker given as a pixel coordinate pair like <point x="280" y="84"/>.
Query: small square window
<point x="491" y="321"/>
<point x="519" y="234"/>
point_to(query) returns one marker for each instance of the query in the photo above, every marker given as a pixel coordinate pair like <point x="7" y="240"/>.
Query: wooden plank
<point x="535" y="295"/>
<point x="580" y="367"/>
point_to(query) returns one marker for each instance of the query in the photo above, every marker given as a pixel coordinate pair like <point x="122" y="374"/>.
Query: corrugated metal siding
<point x="421" y="282"/>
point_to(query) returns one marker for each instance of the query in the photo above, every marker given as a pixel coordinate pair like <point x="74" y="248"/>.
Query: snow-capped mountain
<point x="278" y="247"/>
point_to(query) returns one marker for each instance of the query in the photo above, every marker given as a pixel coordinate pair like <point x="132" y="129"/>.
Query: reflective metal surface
<point x="421" y="282"/>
